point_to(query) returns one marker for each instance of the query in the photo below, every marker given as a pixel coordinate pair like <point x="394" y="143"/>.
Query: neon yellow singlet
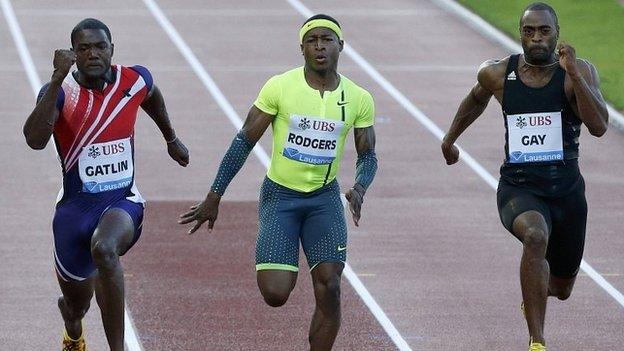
<point x="309" y="131"/>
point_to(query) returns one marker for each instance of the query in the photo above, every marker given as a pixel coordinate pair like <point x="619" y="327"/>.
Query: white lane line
<point x="22" y="48"/>
<point x="225" y="105"/>
<point x="602" y="282"/>
<point x="130" y="334"/>
<point x="35" y="83"/>
<point x="199" y="70"/>
<point x="494" y="34"/>
<point x="435" y="130"/>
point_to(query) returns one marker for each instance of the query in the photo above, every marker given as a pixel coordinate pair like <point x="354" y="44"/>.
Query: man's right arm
<point x="471" y="107"/>
<point x="254" y="127"/>
<point x="40" y="124"/>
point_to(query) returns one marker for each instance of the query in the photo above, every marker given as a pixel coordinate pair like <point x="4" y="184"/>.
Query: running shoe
<point x="536" y="346"/>
<point x="70" y="344"/>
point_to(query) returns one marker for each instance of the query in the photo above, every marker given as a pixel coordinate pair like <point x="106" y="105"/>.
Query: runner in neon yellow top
<point x="309" y="130"/>
<point x="311" y="110"/>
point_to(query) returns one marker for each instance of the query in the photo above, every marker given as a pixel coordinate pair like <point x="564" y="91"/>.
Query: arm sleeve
<point x="60" y="97"/>
<point x="366" y="113"/>
<point x="366" y="168"/>
<point x="269" y="96"/>
<point x="232" y="162"/>
<point x="147" y="76"/>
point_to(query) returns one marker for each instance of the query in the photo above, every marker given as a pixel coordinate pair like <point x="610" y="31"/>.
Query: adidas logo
<point x="512" y="76"/>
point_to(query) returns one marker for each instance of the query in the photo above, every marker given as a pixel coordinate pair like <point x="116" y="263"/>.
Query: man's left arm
<point x="592" y="109"/>
<point x="365" y="169"/>
<point x="154" y="106"/>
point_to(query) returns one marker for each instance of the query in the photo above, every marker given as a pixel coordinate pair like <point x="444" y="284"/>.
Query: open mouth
<point x="320" y="59"/>
<point x="538" y="48"/>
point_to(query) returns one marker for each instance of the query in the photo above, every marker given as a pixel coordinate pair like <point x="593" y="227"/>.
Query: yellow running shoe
<point x="70" y="344"/>
<point x="536" y="346"/>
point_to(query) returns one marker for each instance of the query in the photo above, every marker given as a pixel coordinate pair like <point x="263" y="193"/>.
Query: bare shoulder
<point x="491" y="73"/>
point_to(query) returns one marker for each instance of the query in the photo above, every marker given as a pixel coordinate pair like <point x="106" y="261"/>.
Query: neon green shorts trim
<point x="276" y="266"/>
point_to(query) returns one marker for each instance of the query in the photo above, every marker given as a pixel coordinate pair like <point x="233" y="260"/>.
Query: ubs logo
<point x="539" y="121"/>
<point x="324" y="126"/>
<point x="304" y="124"/>
<point x="112" y="149"/>
<point x="521" y="122"/>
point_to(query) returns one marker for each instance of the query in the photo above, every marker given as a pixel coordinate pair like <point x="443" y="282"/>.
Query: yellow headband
<point x="319" y="23"/>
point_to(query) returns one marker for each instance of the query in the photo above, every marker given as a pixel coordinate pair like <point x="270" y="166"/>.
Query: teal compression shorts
<point x="287" y="217"/>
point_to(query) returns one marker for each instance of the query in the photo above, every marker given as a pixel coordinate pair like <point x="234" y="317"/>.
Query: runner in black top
<point x="546" y="94"/>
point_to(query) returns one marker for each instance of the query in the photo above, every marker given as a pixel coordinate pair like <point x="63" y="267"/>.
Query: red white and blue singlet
<point x="94" y="138"/>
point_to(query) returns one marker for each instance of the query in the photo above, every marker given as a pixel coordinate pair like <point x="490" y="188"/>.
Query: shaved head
<point x="540" y="6"/>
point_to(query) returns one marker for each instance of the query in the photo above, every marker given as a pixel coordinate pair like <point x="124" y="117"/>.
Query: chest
<point x="333" y="106"/>
<point x="110" y="113"/>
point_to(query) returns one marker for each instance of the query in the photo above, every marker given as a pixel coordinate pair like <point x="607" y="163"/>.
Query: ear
<point x="112" y="49"/>
<point x="341" y="42"/>
<point x="301" y="48"/>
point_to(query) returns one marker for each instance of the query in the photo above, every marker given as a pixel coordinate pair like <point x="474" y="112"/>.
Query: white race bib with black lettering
<point x="106" y="166"/>
<point x="312" y="140"/>
<point x="535" y="137"/>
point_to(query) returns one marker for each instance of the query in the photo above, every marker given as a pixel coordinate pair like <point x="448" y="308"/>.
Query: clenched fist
<point x="567" y="60"/>
<point x="63" y="60"/>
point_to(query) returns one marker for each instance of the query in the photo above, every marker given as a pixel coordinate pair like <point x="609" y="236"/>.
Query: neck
<point x="553" y="60"/>
<point x="96" y="83"/>
<point x="322" y="80"/>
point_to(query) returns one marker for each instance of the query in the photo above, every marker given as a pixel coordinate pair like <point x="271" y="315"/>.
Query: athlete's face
<point x="539" y="34"/>
<point x="321" y="48"/>
<point x="93" y="52"/>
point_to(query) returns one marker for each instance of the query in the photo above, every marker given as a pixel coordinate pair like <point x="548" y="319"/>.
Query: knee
<point x="329" y="289"/>
<point x="564" y="295"/>
<point x="535" y="238"/>
<point x="561" y="293"/>
<point x="104" y="255"/>
<point x="275" y="298"/>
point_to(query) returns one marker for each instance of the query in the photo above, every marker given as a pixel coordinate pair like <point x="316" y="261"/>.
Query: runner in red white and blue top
<point x="90" y="113"/>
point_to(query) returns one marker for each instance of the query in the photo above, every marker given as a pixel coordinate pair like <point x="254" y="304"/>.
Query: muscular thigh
<point x="73" y="227"/>
<point x="514" y="201"/>
<point x="279" y="226"/>
<point x="567" y="240"/>
<point x="324" y="230"/>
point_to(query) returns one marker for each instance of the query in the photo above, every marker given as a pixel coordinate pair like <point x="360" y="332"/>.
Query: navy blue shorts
<point x="287" y="217"/>
<point x="75" y="221"/>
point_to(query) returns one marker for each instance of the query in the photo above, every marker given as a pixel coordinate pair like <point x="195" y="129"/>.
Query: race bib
<point x="106" y="166"/>
<point x="312" y="140"/>
<point x="535" y="137"/>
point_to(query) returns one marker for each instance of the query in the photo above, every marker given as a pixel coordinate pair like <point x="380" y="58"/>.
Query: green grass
<point x="595" y="28"/>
